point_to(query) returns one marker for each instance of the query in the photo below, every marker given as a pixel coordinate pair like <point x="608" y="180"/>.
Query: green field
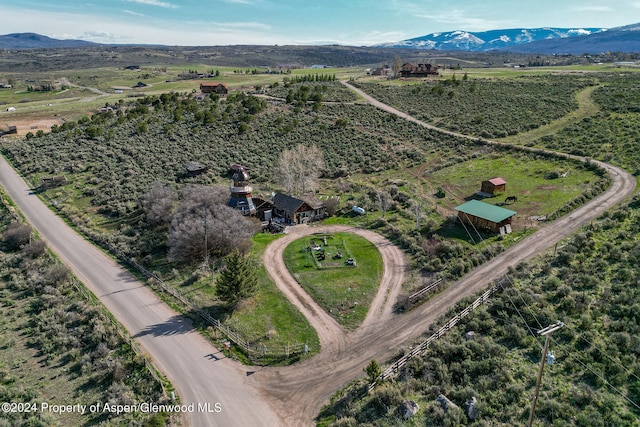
<point x="345" y="292"/>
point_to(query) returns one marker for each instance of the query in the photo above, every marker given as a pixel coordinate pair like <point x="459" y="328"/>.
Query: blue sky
<point x="353" y="22"/>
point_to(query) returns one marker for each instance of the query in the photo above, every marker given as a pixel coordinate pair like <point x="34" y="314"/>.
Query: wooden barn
<point x="298" y="211"/>
<point x="218" y="88"/>
<point x="484" y="216"/>
<point x="494" y="186"/>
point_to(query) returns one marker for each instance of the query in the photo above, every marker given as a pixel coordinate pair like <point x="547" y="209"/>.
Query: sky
<point x="271" y="22"/>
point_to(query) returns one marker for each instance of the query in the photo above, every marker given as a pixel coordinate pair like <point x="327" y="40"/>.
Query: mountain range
<point x="531" y="40"/>
<point x="521" y="40"/>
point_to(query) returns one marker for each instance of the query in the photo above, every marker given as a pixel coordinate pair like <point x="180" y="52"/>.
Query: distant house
<point x="381" y="71"/>
<point x="218" y="88"/>
<point x="419" y="70"/>
<point x="11" y="109"/>
<point x="5" y="86"/>
<point x="484" y="216"/>
<point x="493" y="186"/>
<point x="298" y="210"/>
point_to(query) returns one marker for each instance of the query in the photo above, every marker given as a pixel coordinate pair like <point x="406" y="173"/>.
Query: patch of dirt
<point x="25" y="126"/>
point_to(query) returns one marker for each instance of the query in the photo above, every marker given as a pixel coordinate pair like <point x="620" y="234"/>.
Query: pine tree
<point x="237" y="281"/>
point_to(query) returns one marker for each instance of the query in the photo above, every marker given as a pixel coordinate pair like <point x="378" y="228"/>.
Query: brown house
<point x="298" y="211"/>
<point x="493" y="186"/>
<point x="218" y="88"/>
<point x="419" y="70"/>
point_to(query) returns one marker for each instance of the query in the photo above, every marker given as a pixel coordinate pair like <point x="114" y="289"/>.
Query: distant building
<point x="218" y="88"/>
<point x="419" y="70"/>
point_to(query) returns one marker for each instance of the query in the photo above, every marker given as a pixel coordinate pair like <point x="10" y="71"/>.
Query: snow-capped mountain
<point x="490" y="40"/>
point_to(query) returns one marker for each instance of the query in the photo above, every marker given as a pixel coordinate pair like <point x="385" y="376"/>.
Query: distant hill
<point x="620" y="39"/>
<point x="490" y="40"/>
<point x="37" y="41"/>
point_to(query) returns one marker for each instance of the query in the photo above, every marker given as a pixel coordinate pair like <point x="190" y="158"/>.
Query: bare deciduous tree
<point x="384" y="200"/>
<point x="397" y="65"/>
<point x="159" y="202"/>
<point x="332" y="204"/>
<point x="300" y="168"/>
<point x="204" y="225"/>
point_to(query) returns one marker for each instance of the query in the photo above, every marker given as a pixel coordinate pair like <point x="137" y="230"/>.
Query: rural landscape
<point x="327" y="236"/>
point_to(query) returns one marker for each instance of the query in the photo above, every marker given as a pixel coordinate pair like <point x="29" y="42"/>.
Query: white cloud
<point x="636" y="5"/>
<point x="597" y="9"/>
<point x="130" y="12"/>
<point x="154" y="3"/>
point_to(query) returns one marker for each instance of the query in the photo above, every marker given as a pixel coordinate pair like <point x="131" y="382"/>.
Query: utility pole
<point x="546" y="332"/>
<point x="206" y="247"/>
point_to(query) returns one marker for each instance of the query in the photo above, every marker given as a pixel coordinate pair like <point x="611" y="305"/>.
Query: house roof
<point x="498" y="181"/>
<point x="286" y="203"/>
<point x="208" y="84"/>
<point x="291" y="204"/>
<point x="486" y="211"/>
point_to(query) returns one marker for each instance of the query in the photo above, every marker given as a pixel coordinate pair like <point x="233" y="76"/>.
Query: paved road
<point x="176" y="348"/>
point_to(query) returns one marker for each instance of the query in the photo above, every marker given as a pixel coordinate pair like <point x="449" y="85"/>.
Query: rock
<point x="408" y="409"/>
<point x="470" y="408"/>
<point x="446" y="403"/>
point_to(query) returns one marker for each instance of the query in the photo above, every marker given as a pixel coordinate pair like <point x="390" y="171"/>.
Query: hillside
<point x="37" y="41"/>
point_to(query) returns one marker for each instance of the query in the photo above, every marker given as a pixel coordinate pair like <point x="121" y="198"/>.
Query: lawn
<point x="529" y="179"/>
<point x="344" y="291"/>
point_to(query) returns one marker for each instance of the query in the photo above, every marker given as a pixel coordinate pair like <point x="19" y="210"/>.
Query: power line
<point x="601" y="378"/>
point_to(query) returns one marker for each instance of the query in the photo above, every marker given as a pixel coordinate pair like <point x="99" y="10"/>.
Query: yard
<point x="345" y="291"/>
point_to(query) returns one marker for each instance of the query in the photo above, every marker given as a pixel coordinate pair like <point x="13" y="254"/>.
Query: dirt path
<point x="298" y="392"/>
<point x="330" y="333"/>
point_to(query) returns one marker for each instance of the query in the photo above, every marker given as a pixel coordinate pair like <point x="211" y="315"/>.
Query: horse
<point x="510" y="199"/>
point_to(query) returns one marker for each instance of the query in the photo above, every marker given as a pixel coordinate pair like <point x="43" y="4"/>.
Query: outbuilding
<point x="494" y="186"/>
<point x="485" y="216"/>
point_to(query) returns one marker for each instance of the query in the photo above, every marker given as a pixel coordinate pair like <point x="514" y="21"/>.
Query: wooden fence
<point x="394" y="369"/>
<point x="258" y="351"/>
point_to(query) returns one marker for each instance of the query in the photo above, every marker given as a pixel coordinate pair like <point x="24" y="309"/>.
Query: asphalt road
<point x="200" y="373"/>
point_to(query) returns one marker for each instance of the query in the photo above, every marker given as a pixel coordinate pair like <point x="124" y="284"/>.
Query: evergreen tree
<point x="237" y="281"/>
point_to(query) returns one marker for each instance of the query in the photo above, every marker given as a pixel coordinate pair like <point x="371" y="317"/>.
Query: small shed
<point x="493" y="186"/>
<point x="299" y="210"/>
<point x="484" y="216"/>
<point x="53" y="181"/>
<point x="195" y="168"/>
